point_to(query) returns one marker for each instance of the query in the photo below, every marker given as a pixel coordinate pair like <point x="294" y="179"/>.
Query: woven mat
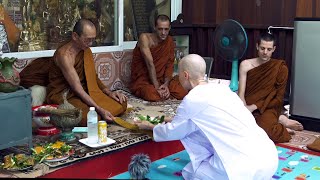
<point x="122" y="136"/>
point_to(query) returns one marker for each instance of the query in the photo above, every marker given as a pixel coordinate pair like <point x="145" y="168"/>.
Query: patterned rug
<point x="293" y="165"/>
<point x="123" y="137"/>
<point x="302" y="138"/>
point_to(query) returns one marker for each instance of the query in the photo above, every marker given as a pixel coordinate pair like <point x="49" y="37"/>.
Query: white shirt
<point x="221" y="136"/>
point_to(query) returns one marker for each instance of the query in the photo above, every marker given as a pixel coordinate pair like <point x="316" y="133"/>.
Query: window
<point x="139" y="16"/>
<point x="38" y="27"/>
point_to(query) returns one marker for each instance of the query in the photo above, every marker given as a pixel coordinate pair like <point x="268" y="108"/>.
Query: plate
<point x="57" y="159"/>
<point x="22" y="169"/>
<point x="97" y="145"/>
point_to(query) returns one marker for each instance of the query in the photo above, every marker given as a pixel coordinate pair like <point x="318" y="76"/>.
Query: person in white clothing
<point x="218" y="132"/>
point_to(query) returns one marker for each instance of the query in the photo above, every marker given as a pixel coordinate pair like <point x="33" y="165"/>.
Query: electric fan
<point x="230" y="41"/>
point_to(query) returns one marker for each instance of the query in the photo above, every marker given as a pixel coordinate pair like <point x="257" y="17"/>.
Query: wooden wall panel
<point x="317" y="8"/>
<point x="222" y="10"/>
<point x="304" y="8"/>
<point x="288" y="12"/>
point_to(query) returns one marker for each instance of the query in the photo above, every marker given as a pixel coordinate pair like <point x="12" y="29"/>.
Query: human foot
<point x="291" y="124"/>
<point x="290" y="131"/>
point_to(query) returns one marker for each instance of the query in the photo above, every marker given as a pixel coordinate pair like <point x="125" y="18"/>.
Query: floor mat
<point x="293" y="164"/>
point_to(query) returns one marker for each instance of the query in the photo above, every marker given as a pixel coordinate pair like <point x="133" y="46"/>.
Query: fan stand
<point x="234" y="76"/>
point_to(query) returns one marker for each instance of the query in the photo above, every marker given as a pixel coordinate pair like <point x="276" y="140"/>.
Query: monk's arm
<point x="70" y="74"/>
<point x="170" y="64"/>
<point x="243" y="70"/>
<point x="281" y="84"/>
<point x="147" y="56"/>
<point x="242" y="81"/>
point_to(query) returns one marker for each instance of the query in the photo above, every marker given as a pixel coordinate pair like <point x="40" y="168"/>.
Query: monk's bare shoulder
<point x="144" y="40"/>
<point x="247" y="64"/>
<point x="62" y="57"/>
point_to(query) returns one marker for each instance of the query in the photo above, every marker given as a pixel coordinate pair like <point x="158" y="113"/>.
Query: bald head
<point x="81" y="24"/>
<point x="194" y="65"/>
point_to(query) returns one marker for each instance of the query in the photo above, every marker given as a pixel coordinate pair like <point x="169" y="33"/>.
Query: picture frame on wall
<point x="4" y="43"/>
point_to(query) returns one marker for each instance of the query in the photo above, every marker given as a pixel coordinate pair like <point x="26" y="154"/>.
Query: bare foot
<point x="289" y="123"/>
<point x="290" y="131"/>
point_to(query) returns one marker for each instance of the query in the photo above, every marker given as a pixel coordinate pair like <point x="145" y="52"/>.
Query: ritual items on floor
<point x="17" y="162"/>
<point x="42" y="120"/>
<point x="64" y="121"/>
<point x="52" y="152"/>
<point x="153" y="120"/>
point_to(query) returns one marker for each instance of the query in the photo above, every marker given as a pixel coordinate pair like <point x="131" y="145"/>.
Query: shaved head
<point x="192" y="69"/>
<point x="194" y="65"/>
<point x="81" y="25"/>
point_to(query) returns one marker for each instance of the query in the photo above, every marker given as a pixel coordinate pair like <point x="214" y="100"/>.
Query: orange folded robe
<point x="163" y="59"/>
<point x="84" y="65"/>
<point x="265" y="88"/>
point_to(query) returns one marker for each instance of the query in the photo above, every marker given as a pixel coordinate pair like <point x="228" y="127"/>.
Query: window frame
<point x="176" y="9"/>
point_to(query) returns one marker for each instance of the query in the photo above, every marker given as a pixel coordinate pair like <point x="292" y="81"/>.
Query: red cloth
<point x="114" y="163"/>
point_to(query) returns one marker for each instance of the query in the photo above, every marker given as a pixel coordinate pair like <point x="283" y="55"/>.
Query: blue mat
<point x="166" y="168"/>
<point x="297" y="165"/>
<point x="293" y="165"/>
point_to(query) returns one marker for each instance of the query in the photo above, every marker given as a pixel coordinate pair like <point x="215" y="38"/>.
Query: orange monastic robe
<point x="163" y="59"/>
<point x="265" y="88"/>
<point x="90" y="82"/>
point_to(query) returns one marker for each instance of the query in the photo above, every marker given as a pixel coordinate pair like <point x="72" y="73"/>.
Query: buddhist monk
<point x="262" y="84"/>
<point x="152" y="65"/>
<point x="73" y="68"/>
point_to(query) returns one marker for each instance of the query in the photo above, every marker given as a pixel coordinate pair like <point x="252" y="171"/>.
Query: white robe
<point x="221" y="137"/>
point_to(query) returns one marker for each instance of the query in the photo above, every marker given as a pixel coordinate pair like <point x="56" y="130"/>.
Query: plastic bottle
<point x="92" y="124"/>
<point x="205" y="78"/>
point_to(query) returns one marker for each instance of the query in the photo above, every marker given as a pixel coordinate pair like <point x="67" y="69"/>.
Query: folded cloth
<point x="315" y="146"/>
<point x="133" y="127"/>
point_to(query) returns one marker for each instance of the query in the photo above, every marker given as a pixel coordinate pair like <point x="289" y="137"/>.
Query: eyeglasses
<point x="86" y="40"/>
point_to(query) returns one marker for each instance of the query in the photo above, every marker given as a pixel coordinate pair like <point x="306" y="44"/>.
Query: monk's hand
<point x="144" y="125"/>
<point x="105" y="115"/>
<point x="118" y="96"/>
<point x="165" y="93"/>
<point x="251" y="107"/>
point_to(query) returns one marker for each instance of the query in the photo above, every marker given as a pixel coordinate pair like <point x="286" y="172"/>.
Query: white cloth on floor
<point x="221" y="136"/>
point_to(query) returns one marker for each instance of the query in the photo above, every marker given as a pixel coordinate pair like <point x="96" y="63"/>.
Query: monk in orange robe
<point x="72" y="68"/>
<point x="152" y="65"/>
<point x="262" y="84"/>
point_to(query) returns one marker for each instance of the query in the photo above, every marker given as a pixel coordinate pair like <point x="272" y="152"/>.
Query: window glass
<point x="33" y="25"/>
<point x="139" y="16"/>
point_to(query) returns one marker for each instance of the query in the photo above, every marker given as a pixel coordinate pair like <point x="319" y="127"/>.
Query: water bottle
<point x="92" y="123"/>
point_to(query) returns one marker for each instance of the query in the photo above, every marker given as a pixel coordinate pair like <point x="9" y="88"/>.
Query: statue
<point x="28" y="37"/>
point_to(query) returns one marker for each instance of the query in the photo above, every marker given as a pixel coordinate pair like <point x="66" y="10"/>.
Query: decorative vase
<point x="9" y="77"/>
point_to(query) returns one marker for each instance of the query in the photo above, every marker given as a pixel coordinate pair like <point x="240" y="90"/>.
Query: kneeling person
<point x="217" y="130"/>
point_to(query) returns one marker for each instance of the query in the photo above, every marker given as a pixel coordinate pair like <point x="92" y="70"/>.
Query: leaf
<point x="142" y="118"/>
<point x="161" y="119"/>
<point x="148" y="118"/>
